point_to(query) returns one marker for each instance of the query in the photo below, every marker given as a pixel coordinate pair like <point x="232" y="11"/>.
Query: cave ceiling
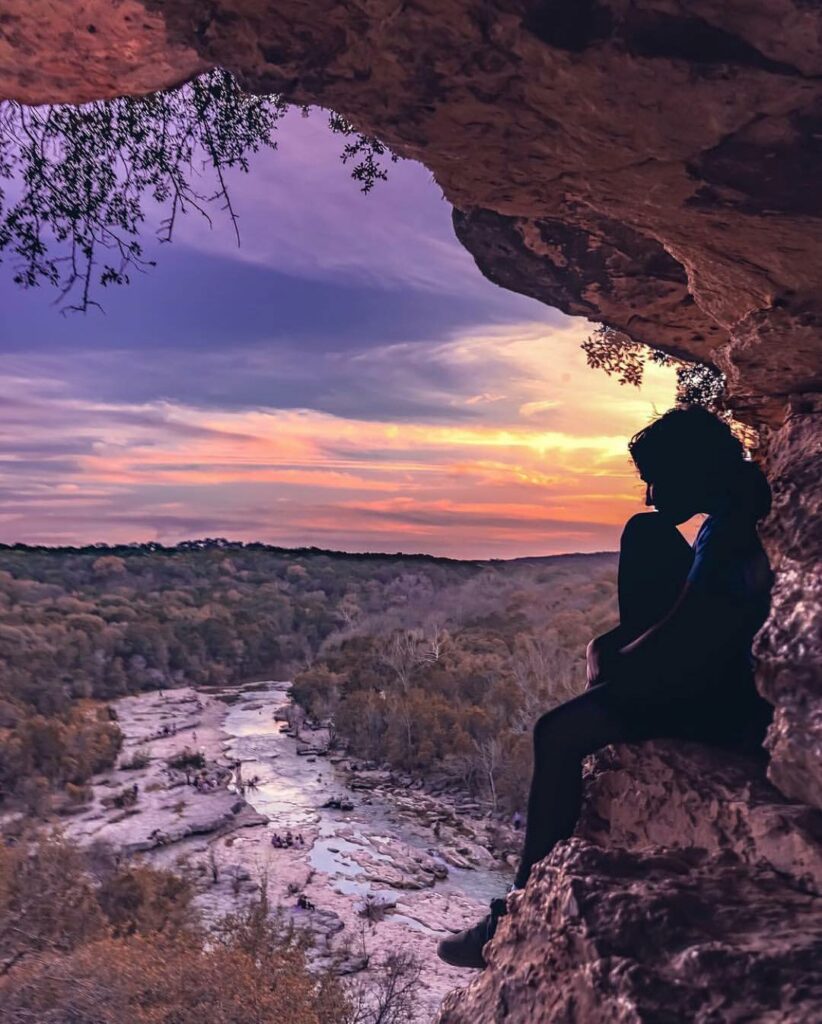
<point x="651" y="165"/>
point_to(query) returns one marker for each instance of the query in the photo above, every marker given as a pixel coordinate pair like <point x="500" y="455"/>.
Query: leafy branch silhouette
<point x="620" y="356"/>
<point x="80" y="177"/>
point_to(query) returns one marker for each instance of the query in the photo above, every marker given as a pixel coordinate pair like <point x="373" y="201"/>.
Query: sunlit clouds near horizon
<point x="347" y="379"/>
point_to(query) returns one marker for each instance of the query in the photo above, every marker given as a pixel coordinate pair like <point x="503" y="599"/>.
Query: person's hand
<point x="599" y="655"/>
<point x="593" y="662"/>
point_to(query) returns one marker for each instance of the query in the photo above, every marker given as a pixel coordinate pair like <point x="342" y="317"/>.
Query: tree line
<point x="450" y="688"/>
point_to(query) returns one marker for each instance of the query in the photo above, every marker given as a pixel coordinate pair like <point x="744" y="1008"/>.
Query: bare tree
<point x="489" y="751"/>
<point x="349" y="610"/>
<point x="295" y="716"/>
<point x="403" y="652"/>
<point x="544" y="676"/>
<point x="436" y="642"/>
<point x="390" y="996"/>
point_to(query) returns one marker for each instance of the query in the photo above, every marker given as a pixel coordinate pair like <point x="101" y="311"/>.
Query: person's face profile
<point x="673" y="495"/>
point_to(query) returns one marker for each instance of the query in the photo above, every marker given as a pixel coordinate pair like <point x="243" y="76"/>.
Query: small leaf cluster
<point x="620" y="356"/>
<point x="365" y="149"/>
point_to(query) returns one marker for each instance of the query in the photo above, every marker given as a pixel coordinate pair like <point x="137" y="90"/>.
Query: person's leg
<point x="654" y="560"/>
<point x="562" y="738"/>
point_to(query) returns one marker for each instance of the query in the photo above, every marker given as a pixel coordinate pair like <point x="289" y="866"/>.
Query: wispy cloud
<point x="472" y="478"/>
<point x="300" y="211"/>
<point x="346" y="378"/>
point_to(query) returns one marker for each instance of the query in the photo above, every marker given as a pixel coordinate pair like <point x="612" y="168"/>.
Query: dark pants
<point x="654" y="560"/>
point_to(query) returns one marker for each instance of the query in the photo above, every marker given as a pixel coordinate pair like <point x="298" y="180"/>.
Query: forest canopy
<point x="406" y="652"/>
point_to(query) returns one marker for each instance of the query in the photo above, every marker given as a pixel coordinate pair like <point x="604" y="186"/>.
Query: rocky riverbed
<point x="389" y="868"/>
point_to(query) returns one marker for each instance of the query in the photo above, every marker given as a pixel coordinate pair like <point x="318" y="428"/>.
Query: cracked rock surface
<point x="659" y="937"/>
<point x="673" y="794"/>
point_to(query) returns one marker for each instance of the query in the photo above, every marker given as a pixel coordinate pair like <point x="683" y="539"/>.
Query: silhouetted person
<point x="679" y="664"/>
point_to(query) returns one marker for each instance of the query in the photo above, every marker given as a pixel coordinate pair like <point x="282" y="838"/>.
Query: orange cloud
<point x="540" y="465"/>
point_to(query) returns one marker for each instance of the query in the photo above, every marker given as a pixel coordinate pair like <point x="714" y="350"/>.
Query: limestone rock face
<point x="659" y="937"/>
<point x="790" y="648"/>
<point x="685" y="795"/>
<point x="651" y="165"/>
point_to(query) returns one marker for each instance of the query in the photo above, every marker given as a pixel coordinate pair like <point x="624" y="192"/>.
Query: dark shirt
<point x="707" y="691"/>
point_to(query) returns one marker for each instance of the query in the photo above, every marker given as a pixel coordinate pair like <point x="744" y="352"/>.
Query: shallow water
<point x="292" y="788"/>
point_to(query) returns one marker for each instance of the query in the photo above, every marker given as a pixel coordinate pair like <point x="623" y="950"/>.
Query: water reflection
<point x="291" y="790"/>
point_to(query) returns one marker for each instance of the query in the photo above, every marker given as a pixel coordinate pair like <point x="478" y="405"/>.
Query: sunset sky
<point x="346" y="378"/>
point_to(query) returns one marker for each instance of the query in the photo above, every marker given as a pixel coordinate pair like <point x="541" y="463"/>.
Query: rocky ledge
<point x="691" y="893"/>
<point x="685" y="795"/>
<point x="654" y="937"/>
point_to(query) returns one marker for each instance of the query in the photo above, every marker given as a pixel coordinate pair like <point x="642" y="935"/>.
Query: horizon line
<point x="208" y="543"/>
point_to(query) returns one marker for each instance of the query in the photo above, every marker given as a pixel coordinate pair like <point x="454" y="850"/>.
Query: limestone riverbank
<point x="428" y="866"/>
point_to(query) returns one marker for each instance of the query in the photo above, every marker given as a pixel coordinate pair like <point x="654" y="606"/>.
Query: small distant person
<point x="516" y="820"/>
<point x="679" y="663"/>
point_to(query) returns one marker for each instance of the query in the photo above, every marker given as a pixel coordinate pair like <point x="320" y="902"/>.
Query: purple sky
<point x="345" y="378"/>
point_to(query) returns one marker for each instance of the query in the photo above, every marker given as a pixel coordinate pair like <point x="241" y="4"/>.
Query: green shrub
<point x="186" y="758"/>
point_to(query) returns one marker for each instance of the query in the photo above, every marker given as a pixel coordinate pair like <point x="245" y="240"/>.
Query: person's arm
<point x="674" y="655"/>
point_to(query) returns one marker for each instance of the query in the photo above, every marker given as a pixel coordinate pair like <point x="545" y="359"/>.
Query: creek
<point x="290" y="793"/>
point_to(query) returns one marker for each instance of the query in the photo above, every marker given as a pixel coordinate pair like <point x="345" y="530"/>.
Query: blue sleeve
<point x="708" y="557"/>
<point x="729" y="562"/>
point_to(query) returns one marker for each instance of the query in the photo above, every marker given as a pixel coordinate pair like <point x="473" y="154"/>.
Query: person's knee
<point x="551" y="733"/>
<point x="575" y="728"/>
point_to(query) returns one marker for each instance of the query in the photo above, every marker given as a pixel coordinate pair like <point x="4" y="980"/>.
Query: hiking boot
<point x="465" y="948"/>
